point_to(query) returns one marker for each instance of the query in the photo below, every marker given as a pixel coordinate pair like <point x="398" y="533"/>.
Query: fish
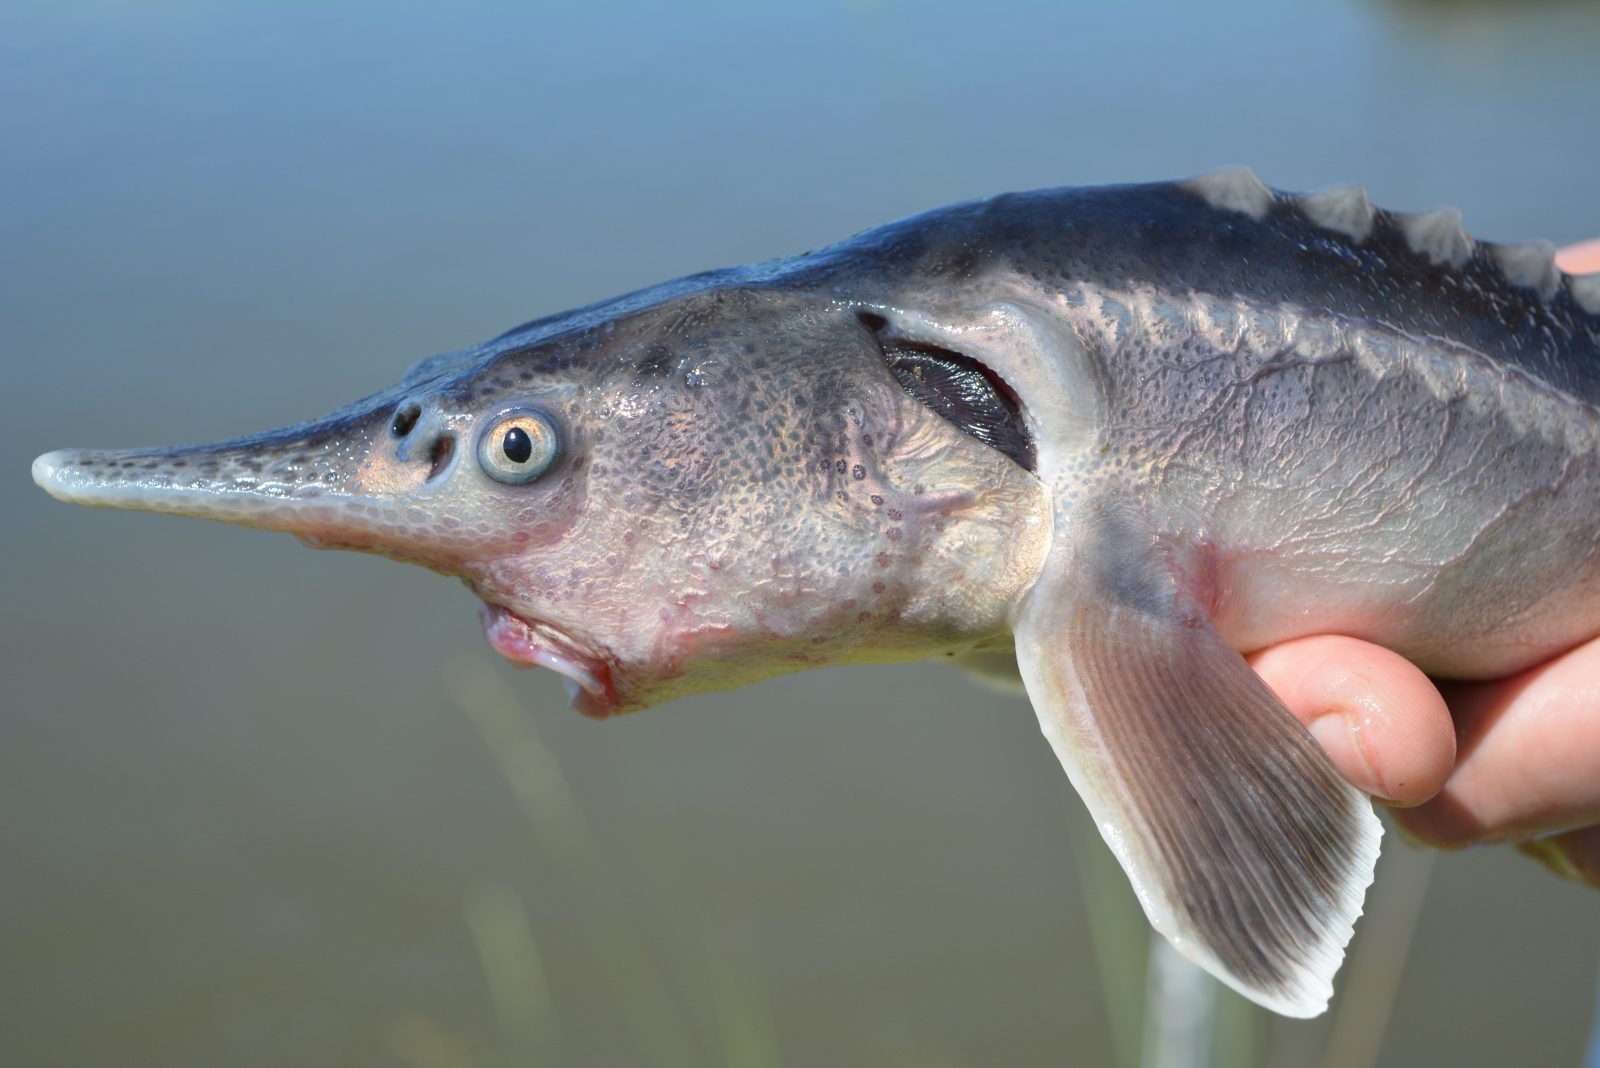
<point x="1094" y="442"/>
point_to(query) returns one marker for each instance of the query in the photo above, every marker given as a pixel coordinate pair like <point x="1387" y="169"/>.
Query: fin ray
<point x="1245" y="846"/>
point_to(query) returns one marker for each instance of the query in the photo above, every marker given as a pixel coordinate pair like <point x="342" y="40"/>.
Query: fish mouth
<point x="535" y="643"/>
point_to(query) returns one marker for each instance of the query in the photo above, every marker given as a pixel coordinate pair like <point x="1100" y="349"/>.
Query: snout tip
<point x="117" y="479"/>
<point x="47" y="473"/>
<point x="244" y="484"/>
<point x="78" y="476"/>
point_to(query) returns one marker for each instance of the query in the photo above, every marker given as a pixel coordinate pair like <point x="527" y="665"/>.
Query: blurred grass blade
<point x="1179" y="1008"/>
<point x="739" y="991"/>
<point x="514" y="969"/>
<point x="526" y="764"/>
<point x="530" y="769"/>
<point x="1378" y="957"/>
<point x="1236" y="1022"/>
<point x="421" y="1043"/>
<point x="1118" y="933"/>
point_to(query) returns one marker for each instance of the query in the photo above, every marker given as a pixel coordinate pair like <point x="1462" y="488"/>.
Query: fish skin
<point x="1253" y="416"/>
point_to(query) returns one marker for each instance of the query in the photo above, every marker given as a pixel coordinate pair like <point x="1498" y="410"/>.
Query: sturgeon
<point x="1101" y="439"/>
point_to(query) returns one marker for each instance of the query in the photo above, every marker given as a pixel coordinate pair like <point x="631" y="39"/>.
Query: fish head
<point x="684" y="493"/>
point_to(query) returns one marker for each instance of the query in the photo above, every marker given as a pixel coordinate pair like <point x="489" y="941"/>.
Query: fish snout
<point x="327" y="477"/>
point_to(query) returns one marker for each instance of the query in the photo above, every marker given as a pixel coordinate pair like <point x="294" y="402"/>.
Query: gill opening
<point x="965" y="392"/>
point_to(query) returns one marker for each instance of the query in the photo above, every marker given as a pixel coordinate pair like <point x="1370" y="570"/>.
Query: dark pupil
<point x="516" y="445"/>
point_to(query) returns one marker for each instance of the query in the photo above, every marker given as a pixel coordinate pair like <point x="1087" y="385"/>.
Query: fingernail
<point x="1331" y="732"/>
<point x="1337" y="733"/>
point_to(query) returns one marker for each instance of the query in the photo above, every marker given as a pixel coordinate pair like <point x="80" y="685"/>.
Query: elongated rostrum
<point x="1097" y="440"/>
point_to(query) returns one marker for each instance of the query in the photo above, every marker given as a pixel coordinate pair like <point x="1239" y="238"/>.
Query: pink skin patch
<point x="530" y="643"/>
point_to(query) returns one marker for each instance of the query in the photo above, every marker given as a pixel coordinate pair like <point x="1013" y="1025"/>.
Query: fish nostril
<point x="405" y="418"/>
<point x="444" y="447"/>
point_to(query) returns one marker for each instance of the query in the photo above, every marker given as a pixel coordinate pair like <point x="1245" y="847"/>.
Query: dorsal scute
<point x="1437" y="235"/>
<point x="1585" y="289"/>
<point x="1530" y="265"/>
<point x="1232" y="189"/>
<point x="1344" y="209"/>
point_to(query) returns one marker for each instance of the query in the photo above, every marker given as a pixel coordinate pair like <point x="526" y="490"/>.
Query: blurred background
<point x="265" y="806"/>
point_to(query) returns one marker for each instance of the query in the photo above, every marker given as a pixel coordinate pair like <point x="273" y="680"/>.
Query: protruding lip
<point x="533" y="643"/>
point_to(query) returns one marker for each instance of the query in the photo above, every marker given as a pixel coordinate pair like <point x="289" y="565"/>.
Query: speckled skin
<point x="743" y="490"/>
<point x="1326" y="434"/>
<point x="1254" y="416"/>
<point x="1332" y="435"/>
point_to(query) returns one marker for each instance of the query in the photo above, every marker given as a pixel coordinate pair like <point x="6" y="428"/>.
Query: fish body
<point x="1102" y="440"/>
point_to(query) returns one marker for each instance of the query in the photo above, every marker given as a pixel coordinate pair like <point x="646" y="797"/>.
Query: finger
<point x="1575" y="855"/>
<point x="1580" y="259"/>
<point x="1529" y="755"/>
<point x="1380" y="719"/>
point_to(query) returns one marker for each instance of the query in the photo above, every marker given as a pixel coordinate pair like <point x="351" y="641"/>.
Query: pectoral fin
<point x="1245" y="847"/>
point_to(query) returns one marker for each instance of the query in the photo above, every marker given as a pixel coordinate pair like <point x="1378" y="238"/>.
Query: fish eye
<point x="518" y="446"/>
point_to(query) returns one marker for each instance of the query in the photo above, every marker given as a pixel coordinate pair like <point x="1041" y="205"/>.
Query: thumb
<point x="1381" y="720"/>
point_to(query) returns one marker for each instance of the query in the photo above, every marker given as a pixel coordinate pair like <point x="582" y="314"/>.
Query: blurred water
<point x="248" y="820"/>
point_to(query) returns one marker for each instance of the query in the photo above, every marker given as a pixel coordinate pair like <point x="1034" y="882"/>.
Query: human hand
<point x="1580" y="259"/>
<point x="1510" y="760"/>
<point x="1521" y="757"/>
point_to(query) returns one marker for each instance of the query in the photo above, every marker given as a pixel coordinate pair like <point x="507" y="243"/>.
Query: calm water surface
<point x="272" y="807"/>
